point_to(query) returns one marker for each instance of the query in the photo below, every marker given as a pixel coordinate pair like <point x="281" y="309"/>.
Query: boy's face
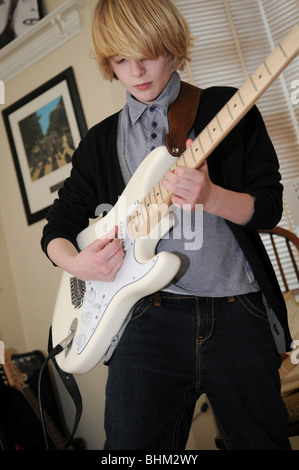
<point x="145" y="79"/>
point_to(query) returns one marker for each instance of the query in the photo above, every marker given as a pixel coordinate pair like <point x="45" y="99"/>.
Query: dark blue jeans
<point x="176" y="348"/>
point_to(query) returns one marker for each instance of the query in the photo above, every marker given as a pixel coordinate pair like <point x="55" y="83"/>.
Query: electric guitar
<point x="16" y="380"/>
<point x="95" y="311"/>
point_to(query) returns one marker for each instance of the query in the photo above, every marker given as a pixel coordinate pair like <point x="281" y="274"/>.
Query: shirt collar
<point x="168" y="95"/>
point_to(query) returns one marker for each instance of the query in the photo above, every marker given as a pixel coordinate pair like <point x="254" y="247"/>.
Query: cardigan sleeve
<point x="261" y="175"/>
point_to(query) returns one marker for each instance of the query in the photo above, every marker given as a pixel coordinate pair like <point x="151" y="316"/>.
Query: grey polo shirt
<point x="212" y="263"/>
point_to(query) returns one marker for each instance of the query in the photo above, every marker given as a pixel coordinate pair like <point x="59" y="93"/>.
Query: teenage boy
<point x="216" y="328"/>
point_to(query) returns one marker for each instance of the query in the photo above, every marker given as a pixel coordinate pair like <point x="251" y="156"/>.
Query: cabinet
<point x="56" y="28"/>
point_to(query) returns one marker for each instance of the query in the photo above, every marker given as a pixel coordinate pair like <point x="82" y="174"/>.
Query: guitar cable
<point x="57" y="350"/>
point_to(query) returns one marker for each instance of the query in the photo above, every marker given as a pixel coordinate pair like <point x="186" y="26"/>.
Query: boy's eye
<point x="119" y="60"/>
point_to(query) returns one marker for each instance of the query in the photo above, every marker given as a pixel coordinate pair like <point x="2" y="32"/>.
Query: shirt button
<point x="155" y="124"/>
<point x="154" y="135"/>
<point x="152" y="108"/>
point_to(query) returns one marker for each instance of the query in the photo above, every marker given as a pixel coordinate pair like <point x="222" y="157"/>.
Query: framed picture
<point x="17" y="17"/>
<point x="43" y="129"/>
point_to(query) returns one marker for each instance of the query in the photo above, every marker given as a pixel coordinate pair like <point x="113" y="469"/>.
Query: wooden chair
<point x="285" y="262"/>
<point x="283" y="248"/>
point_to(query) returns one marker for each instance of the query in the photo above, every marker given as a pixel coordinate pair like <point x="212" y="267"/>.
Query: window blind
<point x="230" y="40"/>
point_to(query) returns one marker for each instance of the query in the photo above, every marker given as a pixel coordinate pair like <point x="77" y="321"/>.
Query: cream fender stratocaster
<point x="96" y="311"/>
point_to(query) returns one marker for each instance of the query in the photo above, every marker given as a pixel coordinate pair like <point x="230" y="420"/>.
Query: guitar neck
<point x="54" y="434"/>
<point x="154" y="205"/>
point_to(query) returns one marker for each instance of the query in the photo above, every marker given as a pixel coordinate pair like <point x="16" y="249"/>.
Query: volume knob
<point x="86" y="318"/>
<point x="90" y="296"/>
<point x="80" y="340"/>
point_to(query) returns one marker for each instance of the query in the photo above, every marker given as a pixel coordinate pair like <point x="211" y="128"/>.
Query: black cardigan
<point x="245" y="162"/>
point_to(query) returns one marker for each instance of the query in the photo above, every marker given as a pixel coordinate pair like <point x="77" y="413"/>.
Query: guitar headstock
<point x="13" y="374"/>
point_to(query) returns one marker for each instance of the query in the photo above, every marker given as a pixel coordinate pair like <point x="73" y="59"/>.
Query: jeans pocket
<point x="140" y="307"/>
<point x="253" y="304"/>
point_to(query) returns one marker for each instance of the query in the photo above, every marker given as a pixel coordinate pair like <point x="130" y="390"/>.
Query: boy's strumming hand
<point x="99" y="261"/>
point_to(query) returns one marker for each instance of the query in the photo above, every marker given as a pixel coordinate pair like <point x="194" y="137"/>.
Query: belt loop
<point x="158" y="299"/>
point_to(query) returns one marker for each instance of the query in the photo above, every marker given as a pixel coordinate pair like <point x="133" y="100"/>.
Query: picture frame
<point x="43" y="130"/>
<point x="17" y="17"/>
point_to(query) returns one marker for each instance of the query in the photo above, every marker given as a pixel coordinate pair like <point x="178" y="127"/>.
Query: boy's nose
<point x="137" y="68"/>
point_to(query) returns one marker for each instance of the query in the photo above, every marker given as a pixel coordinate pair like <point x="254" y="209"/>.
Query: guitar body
<point x="105" y="306"/>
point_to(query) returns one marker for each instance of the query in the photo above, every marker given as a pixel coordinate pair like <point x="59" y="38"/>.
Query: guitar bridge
<point x="78" y="289"/>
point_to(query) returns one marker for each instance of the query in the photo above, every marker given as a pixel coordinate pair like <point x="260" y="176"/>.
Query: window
<point x="231" y="39"/>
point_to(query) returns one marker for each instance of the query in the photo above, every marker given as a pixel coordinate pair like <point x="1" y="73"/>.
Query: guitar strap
<point x="181" y="116"/>
<point x="72" y="388"/>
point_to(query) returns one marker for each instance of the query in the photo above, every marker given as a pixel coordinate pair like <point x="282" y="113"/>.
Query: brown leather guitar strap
<point x="181" y="116"/>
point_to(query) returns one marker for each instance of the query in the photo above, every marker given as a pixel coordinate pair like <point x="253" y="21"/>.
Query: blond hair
<point x="139" y="29"/>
